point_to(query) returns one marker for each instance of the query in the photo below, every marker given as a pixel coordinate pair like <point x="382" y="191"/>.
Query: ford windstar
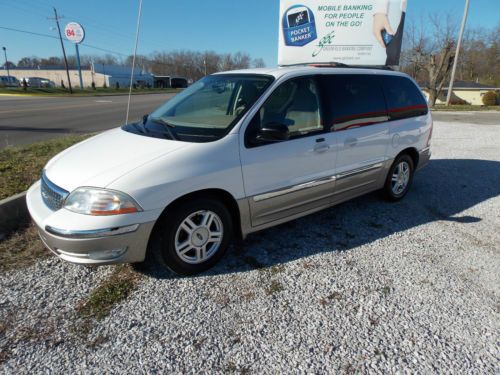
<point x="232" y="154"/>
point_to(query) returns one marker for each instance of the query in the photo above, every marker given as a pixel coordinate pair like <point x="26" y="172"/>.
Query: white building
<point x="101" y="74"/>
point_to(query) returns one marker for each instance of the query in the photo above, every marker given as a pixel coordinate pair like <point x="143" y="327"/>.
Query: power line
<point x="109" y="33"/>
<point x="83" y="44"/>
<point x="55" y="37"/>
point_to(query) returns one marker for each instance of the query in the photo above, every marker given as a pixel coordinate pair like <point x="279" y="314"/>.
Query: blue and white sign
<point x="353" y="32"/>
<point x="299" y="26"/>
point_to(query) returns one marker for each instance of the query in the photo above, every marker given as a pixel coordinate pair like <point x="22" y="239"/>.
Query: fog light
<point x="107" y="254"/>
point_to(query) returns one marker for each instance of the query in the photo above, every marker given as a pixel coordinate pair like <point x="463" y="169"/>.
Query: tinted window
<point x="404" y="99"/>
<point x="354" y="101"/>
<point x="295" y="104"/>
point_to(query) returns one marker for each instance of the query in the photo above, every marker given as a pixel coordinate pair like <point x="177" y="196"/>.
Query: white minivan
<point x="234" y="153"/>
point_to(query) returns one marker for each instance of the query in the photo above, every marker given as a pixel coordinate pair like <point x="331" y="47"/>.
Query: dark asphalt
<point x="25" y="120"/>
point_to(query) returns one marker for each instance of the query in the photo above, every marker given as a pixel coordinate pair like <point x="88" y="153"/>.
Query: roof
<point x="306" y="69"/>
<point x="464" y="85"/>
<point x="471" y="85"/>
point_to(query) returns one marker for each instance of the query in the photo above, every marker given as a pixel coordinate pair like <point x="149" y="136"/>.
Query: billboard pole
<point x="459" y="44"/>
<point x="76" y="34"/>
<point x="78" y="65"/>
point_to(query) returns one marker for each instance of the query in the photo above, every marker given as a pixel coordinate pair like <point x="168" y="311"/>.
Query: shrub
<point x="458" y="101"/>
<point x="490" y="98"/>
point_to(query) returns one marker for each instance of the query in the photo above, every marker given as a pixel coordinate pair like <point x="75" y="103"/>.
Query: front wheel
<point x="400" y="178"/>
<point x="193" y="236"/>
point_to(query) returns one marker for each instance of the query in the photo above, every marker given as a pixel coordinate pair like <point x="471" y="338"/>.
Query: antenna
<point x="133" y="59"/>
<point x="57" y="18"/>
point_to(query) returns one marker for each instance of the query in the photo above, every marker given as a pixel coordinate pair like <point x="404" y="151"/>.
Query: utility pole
<point x="57" y="18"/>
<point x="459" y="44"/>
<point x="6" y="63"/>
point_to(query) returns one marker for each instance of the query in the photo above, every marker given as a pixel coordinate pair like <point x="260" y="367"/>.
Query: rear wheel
<point x="193" y="236"/>
<point x="400" y="178"/>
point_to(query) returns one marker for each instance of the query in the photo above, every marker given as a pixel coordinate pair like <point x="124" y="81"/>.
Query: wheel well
<point x="413" y="153"/>
<point x="217" y="194"/>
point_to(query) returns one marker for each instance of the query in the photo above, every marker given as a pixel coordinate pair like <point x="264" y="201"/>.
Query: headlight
<point x="100" y="202"/>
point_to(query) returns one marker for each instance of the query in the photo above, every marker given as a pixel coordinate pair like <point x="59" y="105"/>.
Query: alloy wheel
<point x="198" y="237"/>
<point x="400" y="178"/>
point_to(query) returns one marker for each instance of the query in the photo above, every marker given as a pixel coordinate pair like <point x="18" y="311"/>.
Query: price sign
<point x="74" y="32"/>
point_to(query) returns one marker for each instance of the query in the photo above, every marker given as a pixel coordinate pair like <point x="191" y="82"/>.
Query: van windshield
<point x="211" y="106"/>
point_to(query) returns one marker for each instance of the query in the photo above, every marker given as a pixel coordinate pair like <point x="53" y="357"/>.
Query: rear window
<point x="354" y="100"/>
<point x="404" y="98"/>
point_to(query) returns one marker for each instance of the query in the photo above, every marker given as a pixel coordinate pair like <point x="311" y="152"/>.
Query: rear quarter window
<point x="354" y="100"/>
<point x="404" y="98"/>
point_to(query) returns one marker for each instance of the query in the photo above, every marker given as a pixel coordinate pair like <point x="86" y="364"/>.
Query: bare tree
<point x="258" y="63"/>
<point x="430" y="51"/>
<point x="190" y="64"/>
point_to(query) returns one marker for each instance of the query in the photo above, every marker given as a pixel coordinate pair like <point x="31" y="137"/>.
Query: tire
<point x="189" y="253"/>
<point x="398" y="182"/>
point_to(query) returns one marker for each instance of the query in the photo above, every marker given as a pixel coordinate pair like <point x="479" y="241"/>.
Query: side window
<point x="295" y="104"/>
<point x="354" y="100"/>
<point x="404" y="99"/>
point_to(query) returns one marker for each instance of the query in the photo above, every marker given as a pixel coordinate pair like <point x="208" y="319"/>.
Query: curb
<point x="13" y="213"/>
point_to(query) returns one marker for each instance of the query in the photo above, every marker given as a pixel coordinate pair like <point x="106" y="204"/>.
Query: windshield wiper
<point x="167" y="125"/>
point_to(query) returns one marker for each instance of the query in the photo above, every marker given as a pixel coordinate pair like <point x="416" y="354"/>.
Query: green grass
<point x="116" y="288"/>
<point x="21" y="166"/>
<point x="274" y="287"/>
<point x="100" y="91"/>
<point x="21" y="249"/>
<point x="454" y="108"/>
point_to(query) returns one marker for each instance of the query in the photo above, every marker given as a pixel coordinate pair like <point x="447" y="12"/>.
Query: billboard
<point x="353" y="32"/>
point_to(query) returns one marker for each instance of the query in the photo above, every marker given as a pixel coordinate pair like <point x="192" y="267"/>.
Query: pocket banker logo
<point x="299" y="27"/>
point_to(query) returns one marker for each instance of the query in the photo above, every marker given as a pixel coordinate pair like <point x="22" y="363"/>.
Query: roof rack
<point x="341" y="65"/>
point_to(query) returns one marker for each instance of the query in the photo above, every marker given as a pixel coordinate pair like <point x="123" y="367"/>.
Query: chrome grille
<point x="53" y="196"/>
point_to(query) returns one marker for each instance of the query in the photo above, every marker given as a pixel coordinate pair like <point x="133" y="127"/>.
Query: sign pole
<point x="459" y="44"/>
<point x="79" y="66"/>
<point x="76" y="34"/>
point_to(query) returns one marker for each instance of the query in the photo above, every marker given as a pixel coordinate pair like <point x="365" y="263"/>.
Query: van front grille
<point x="53" y="196"/>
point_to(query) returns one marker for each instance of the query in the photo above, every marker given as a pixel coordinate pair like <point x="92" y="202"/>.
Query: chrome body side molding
<point x="292" y="189"/>
<point x="356" y="171"/>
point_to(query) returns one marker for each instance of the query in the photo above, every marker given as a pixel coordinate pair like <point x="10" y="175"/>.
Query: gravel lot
<point x="365" y="287"/>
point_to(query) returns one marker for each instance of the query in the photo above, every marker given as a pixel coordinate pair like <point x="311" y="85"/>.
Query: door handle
<point x="351" y="142"/>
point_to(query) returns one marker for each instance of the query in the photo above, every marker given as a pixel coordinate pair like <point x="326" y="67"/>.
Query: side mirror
<point x="273" y="132"/>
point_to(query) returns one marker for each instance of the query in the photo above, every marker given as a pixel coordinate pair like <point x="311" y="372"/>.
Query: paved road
<point x="478" y="118"/>
<point x="27" y="120"/>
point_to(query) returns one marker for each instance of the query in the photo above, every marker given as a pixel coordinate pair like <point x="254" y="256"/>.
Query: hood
<point x="100" y="160"/>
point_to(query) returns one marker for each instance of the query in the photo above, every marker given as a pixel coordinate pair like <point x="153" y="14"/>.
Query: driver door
<point x="285" y="179"/>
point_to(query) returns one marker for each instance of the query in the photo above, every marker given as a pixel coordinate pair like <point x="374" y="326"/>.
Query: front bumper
<point x="91" y="240"/>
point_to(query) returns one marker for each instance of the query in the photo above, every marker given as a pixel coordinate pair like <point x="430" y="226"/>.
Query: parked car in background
<point x="8" y="81"/>
<point x="233" y="154"/>
<point x="38" y="82"/>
